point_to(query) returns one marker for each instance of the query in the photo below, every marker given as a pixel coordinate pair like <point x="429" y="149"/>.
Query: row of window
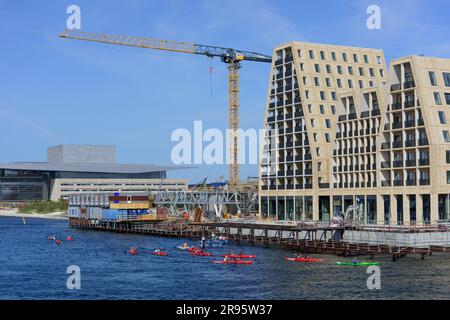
<point x="433" y="81"/>
<point x="344" y="56"/>
<point x="438" y="100"/>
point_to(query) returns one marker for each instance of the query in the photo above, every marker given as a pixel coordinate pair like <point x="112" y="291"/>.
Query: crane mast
<point x="231" y="57"/>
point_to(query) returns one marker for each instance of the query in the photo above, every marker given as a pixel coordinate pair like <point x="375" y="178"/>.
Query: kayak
<point x="58" y="242"/>
<point x="184" y="248"/>
<point x="239" y="256"/>
<point x="70" y="238"/>
<point x="247" y="262"/>
<point x="358" y="264"/>
<point x="133" y="252"/>
<point x="304" y="259"/>
<point x="201" y="253"/>
<point x="160" y="253"/>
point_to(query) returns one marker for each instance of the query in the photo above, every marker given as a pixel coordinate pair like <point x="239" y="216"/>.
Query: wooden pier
<point x="320" y="238"/>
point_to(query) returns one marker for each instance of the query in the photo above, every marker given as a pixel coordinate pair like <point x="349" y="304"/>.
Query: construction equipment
<point x="231" y="57"/>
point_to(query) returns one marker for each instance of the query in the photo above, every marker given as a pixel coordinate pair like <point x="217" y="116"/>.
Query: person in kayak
<point x="355" y="261"/>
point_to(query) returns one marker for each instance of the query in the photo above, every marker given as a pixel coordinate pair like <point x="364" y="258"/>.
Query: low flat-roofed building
<point x="81" y="169"/>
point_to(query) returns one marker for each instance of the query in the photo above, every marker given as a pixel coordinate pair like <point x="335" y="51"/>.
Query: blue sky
<point x="57" y="91"/>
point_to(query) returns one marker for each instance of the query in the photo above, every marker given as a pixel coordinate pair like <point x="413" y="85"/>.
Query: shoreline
<point x="49" y="216"/>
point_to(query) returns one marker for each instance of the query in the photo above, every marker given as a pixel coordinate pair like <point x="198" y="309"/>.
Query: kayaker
<point x="355" y="261"/>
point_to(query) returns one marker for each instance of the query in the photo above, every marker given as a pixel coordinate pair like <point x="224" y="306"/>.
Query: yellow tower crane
<point x="229" y="56"/>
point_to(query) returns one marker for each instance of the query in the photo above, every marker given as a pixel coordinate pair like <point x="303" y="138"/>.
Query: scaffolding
<point x="210" y="201"/>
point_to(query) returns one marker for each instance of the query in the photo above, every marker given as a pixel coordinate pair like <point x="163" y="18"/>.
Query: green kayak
<point x="358" y="264"/>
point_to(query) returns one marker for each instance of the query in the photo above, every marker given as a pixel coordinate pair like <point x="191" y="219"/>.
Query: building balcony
<point x="424" y="182"/>
<point x="396" y="106"/>
<point x="424" y="162"/>
<point x="410" y="163"/>
<point x="408" y="85"/>
<point x="396" y="87"/>
<point x="410" y="143"/>
<point x="288" y="102"/>
<point x="271" y="119"/>
<point x="376" y="112"/>
<point x="411" y="182"/>
<point x="397" y="125"/>
<point x="423" y="142"/>
<point x="420" y="122"/>
<point x="397" y="144"/>
<point x="352" y="116"/>
<point x="385" y="146"/>
<point x="279" y="62"/>
<point x="324" y="185"/>
<point x="299" y="114"/>
<point x="289" y="144"/>
<point x="365" y="114"/>
<point x="398" y="183"/>
<point x="410" y="123"/>
<point x="297" y="100"/>
<point x="308" y="172"/>
<point x="298" y="172"/>
<point x="290" y="172"/>
<point x="308" y="157"/>
<point x="409" y="104"/>
<point x="288" y="59"/>
<point x="308" y="186"/>
<point x="298" y="186"/>
<point x="397" y="164"/>
<point x="288" y="87"/>
<point x="385" y="165"/>
<point x="289" y="131"/>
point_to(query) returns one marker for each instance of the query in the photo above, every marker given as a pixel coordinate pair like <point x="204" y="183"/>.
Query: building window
<point x="378" y="59"/>
<point x="350" y="70"/>
<point x="448" y="177"/>
<point x="299" y="53"/>
<point x="361" y="72"/>
<point x="372" y="72"/>
<point x="350" y="84"/>
<point x="361" y="84"/>
<point x="437" y="98"/>
<point x="446" y="79"/>
<point x="319" y="166"/>
<point x="333" y="109"/>
<point x="447" y="156"/>
<point x="344" y="56"/>
<point x="322" y="55"/>
<point x="432" y="78"/>
<point x="310" y="108"/>
<point x="311" y="54"/>
<point x="333" y="96"/>
<point x="322" y="95"/>
<point x="339" y="83"/>
<point x="313" y="123"/>
<point x="305" y="81"/>
<point x="307" y="94"/>
<point x="317" y="67"/>
<point x="315" y="137"/>
<point x="316" y="82"/>
<point x="355" y="58"/>
<point x="327" y="137"/>
<point x="339" y="69"/>
<point x="446" y="136"/>
<point x="442" y="117"/>
<point x="318" y="152"/>
<point x="328" y="123"/>
<point x="382" y="73"/>
<point x="322" y="109"/>
<point x="447" y="98"/>
<point x="333" y="56"/>
<point x="302" y="66"/>
<point x="327" y="80"/>
<point x="328" y="67"/>
<point x="366" y="58"/>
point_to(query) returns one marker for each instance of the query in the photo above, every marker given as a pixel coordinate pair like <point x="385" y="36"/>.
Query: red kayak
<point x="304" y="259"/>
<point x="239" y="256"/>
<point x="58" y="242"/>
<point x="69" y="238"/>
<point x="133" y="252"/>
<point x="201" y="253"/>
<point x="247" y="262"/>
<point x="160" y="253"/>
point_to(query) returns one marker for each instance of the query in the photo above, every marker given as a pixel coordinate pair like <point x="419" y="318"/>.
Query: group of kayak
<point x="156" y="252"/>
<point x="58" y="241"/>
<point x="355" y="262"/>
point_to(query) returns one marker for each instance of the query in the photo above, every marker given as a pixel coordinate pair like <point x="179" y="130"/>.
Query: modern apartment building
<point x="346" y="141"/>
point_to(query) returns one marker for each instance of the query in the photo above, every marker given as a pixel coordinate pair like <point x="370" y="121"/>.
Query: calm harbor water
<point x="33" y="267"/>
